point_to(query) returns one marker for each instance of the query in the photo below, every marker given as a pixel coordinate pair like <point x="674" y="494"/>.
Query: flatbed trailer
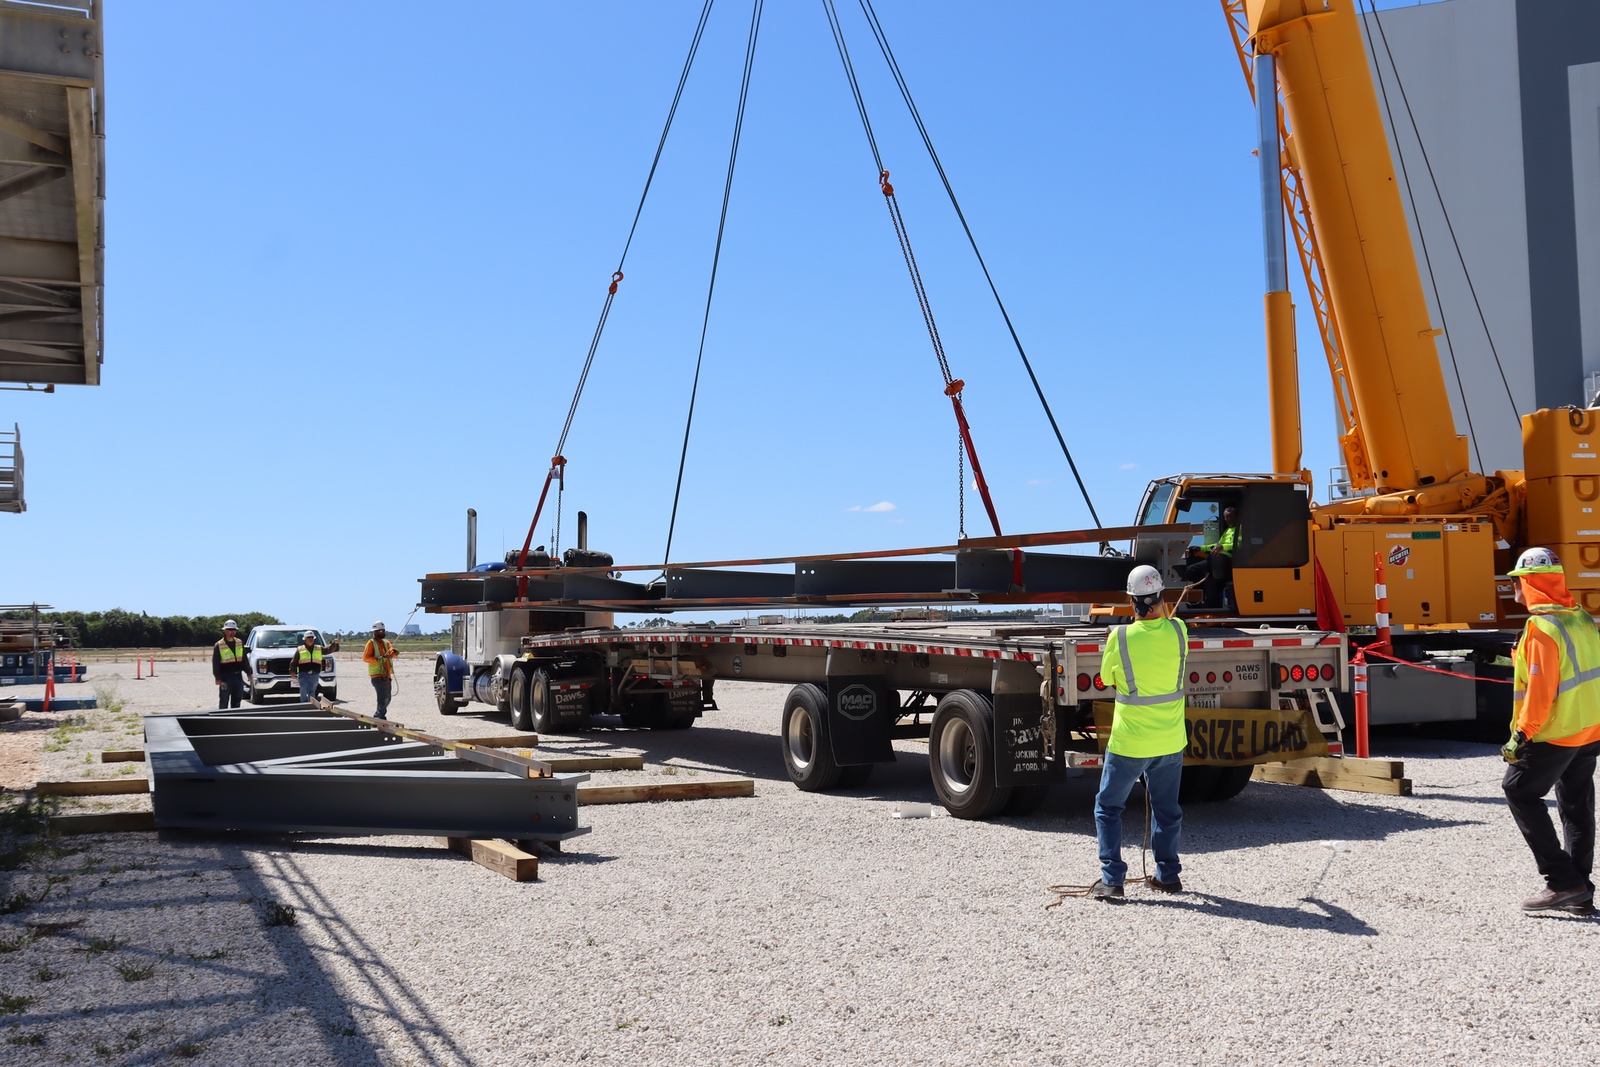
<point x="1007" y="709"/>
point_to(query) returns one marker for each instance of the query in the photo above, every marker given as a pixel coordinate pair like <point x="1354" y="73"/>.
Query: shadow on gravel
<point x="1329" y="917"/>
<point x="276" y="997"/>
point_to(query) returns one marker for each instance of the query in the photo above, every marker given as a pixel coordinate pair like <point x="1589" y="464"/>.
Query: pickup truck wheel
<point x="255" y="697"/>
<point x="448" y="705"/>
<point x="541" y="709"/>
<point x="521" y="714"/>
<point x="961" y="756"/>
<point x="807" y="752"/>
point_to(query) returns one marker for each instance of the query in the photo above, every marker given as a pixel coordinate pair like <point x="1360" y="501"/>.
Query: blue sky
<point x="355" y="253"/>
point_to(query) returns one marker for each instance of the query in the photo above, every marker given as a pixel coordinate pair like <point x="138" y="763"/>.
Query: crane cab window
<point x="1205" y="512"/>
<point x="1156" y="499"/>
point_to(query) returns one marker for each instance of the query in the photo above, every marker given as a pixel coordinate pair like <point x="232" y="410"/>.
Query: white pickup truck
<point x="269" y="653"/>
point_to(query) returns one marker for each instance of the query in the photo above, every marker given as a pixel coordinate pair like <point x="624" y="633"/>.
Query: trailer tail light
<point x="1297" y="672"/>
<point x="1211" y="677"/>
<point x="1194" y="677"/>
<point x="1327" y="672"/>
<point x="1281" y="674"/>
<point x="1084" y="682"/>
<point x="1099" y="682"/>
<point x="1227" y="676"/>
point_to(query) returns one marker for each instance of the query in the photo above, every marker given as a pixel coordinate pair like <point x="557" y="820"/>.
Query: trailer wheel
<point x="541" y="709"/>
<point x="961" y="756"/>
<point x="1231" y="783"/>
<point x="638" y="710"/>
<point x="1025" y="799"/>
<point x="855" y="776"/>
<point x="1198" y="783"/>
<point x="521" y="719"/>
<point x="807" y="752"/>
<point x="448" y="705"/>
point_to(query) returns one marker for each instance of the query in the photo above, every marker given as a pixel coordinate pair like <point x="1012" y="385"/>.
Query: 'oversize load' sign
<point x="1224" y="737"/>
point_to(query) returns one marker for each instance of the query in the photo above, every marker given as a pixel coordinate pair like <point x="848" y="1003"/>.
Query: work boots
<point x="1559" y="899"/>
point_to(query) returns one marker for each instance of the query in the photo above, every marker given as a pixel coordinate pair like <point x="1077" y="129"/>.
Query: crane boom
<point x="1338" y="144"/>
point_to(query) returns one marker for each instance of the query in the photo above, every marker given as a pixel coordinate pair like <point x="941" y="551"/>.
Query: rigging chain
<point x="558" y="462"/>
<point x="953" y="386"/>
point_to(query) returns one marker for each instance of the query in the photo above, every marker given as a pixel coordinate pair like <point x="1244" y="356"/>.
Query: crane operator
<point x="1212" y="565"/>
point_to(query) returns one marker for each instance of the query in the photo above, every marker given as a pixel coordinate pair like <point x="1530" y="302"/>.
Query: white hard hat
<point x="230" y="625"/>
<point x="1145" y="581"/>
<point x="379" y="625"/>
<point x="1537" y="561"/>
<point x="308" y="633"/>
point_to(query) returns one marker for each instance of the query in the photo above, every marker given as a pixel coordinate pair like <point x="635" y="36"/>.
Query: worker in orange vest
<point x="1555" y="738"/>
<point x="379" y="657"/>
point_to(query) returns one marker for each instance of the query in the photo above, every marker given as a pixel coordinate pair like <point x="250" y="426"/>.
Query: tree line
<point x="129" y="629"/>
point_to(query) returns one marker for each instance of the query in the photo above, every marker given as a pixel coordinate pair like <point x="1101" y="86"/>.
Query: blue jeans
<point x="308" y="686"/>
<point x="382" y="688"/>
<point x="1117" y="775"/>
<point x="231" y="691"/>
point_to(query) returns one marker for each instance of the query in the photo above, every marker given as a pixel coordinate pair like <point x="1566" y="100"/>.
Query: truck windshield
<point x="1155" y="512"/>
<point x="282" y="638"/>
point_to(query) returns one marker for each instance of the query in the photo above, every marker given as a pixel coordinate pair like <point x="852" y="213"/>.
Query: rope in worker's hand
<point x="1063" y="892"/>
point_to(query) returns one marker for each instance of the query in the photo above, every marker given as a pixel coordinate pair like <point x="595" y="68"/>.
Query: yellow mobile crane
<point x="1445" y="531"/>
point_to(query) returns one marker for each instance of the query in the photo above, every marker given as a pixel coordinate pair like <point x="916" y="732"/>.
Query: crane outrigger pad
<point x="983" y="571"/>
<point x="311" y="768"/>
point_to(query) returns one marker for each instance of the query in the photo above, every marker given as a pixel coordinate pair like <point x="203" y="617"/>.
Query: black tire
<point x="1199" y="782"/>
<point x="448" y="705"/>
<point x="1230" y="783"/>
<point x="541" y="709"/>
<point x="961" y="756"/>
<point x="807" y="749"/>
<point x="640" y="711"/>
<point x="1025" y="799"/>
<point x="856" y="775"/>
<point x="521" y="717"/>
<point x="671" y="718"/>
<point x="254" y="696"/>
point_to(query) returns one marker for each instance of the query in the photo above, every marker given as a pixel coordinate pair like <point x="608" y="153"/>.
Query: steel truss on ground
<point x="315" y="768"/>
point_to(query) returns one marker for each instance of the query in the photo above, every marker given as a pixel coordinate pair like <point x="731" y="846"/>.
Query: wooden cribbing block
<point x="129" y="756"/>
<point x="1285" y="774"/>
<point x="1366" y="768"/>
<point x="115" y="822"/>
<point x="93" y="787"/>
<point x="635" y="794"/>
<point x="593" y="763"/>
<point x="508" y="741"/>
<point x="498" y="856"/>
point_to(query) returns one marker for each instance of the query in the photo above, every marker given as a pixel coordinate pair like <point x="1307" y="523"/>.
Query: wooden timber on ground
<point x="506" y="741"/>
<point x="636" y="794"/>
<point x="499" y="856"/>
<point x="132" y="755"/>
<point x="595" y="763"/>
<point x="114" y="822"/>
<point x="1386" y="777"/>
<point x="93" y="787"/>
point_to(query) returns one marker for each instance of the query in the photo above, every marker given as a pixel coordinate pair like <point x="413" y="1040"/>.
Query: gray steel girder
<point x="298" y="768"/>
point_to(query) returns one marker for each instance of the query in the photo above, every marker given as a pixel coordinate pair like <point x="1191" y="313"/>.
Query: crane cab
<point x="1438" y="569"/>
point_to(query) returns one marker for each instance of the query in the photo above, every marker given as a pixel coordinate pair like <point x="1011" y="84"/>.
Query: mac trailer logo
<point x="857" y="702"/>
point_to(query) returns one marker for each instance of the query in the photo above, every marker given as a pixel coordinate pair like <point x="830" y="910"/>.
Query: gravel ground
<point x="1319" y="927"/>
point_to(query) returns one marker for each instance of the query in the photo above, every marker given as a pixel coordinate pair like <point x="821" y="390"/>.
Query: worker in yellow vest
<point x="228" y="666"/>
<point x="379" y="656"/>
<point x="306" y="666"/>
<point x="1555" y="737"/>
<point x="1144" y="662"/>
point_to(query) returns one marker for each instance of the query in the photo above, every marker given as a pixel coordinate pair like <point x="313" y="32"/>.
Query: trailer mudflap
<point x="861" y="710"/>
<point x="1019" y="757"/>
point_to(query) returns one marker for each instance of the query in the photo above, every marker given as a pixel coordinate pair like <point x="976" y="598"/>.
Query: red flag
<point x="1328" y="614"/>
